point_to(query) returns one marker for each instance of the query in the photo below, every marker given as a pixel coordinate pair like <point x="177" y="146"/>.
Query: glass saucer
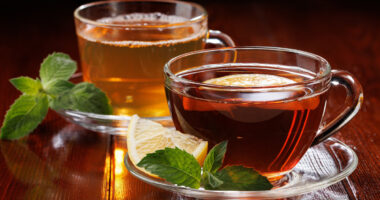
<point x="108" y="124"/>
<point x="322" y="166"/>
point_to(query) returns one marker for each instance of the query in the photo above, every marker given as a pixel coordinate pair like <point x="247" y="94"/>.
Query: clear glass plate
<point x="108" y="124"/>
<point x="322" y="166"/>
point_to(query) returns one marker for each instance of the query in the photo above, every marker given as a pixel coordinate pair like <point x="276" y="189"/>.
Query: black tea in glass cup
<point x="267" y="102"/>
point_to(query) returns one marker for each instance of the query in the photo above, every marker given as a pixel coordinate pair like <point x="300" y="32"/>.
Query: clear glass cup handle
<point x="219" y="39"/>
<point x="354" y="93"/>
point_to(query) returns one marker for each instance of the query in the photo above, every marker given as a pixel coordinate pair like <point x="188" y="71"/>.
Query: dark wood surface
<point x="60" y="160"/>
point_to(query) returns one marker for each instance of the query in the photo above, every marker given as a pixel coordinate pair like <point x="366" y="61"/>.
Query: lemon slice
<point x="250" y="80"/>
<point x="255" y="80"/>
<point x="146" y="136"/>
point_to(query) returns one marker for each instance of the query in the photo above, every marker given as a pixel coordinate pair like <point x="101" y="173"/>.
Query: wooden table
<point x="60" y="160"/>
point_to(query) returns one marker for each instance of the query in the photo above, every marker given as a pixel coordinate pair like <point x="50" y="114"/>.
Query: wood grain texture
<point x="125" y="185"/>
<point x="62" y="161"/>
<point x="58" y="161"/>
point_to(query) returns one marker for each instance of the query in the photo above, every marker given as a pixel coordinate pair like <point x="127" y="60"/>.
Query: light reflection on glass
<point x="105" y="192"/>
<point x="121" y="175"/>
<point x="119" y="161"/>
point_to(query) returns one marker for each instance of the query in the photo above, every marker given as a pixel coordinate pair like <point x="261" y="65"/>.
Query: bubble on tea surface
<point x="139" y="20"/>
<point x="142" y="19"/>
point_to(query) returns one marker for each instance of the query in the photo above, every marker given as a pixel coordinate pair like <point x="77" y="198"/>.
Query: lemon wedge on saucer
<point x="146" y="136"/>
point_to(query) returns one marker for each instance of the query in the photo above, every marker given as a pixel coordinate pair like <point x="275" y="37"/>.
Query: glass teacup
<point x="269" y="126"/>
<point x="124" y="45"/>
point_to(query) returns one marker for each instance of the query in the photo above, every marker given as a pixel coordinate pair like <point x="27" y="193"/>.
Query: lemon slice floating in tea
<point x="255" y="80"/>
<point x="146" y="136"/>
<point x="250" y="80"/>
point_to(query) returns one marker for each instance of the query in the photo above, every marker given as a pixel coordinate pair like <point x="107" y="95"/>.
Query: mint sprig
<point x="52" y="90"/>
<point x="181" y="168"/>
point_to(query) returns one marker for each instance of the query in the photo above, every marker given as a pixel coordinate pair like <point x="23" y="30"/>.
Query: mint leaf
<point x="241" y="178"/>
<point x="26" y="85"/>
<point x="56" y="66"/>
<point x="210" y="181"/>
<point x="89" y="98"/>
<point x="174" y="165"/>
<point x="59" y="86"/>
<point x="214" y="158"/>
<point x="24" y="116"/>
<point x="84" y="97"/>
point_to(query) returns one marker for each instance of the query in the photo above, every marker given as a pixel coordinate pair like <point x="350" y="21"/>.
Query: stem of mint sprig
<point x="51" y="90"/>
<point x="181" y="168"/>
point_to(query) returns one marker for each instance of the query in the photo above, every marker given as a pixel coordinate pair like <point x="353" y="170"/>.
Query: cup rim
<point x="196" y="19"/>
<point x="320" y="77"/>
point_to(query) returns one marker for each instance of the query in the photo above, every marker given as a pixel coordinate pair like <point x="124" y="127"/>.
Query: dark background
<point x="47" y="26"/>
<point x="43" y="27"/>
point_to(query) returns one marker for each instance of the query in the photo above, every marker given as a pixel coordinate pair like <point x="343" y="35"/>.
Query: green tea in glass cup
<point x="124" y="46"/>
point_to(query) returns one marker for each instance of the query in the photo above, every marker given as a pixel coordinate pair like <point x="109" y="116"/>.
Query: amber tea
<point x="127" y="64"/>
<point x="269" y="131"/>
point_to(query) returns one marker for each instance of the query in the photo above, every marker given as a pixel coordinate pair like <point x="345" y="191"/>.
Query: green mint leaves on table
<point x="181" y="168"/>
<point x="52" y="90"/>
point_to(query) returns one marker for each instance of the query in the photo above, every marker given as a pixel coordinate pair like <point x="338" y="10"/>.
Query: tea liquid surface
<point x="127" y="63"/>
<point x="269" y="131"/>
